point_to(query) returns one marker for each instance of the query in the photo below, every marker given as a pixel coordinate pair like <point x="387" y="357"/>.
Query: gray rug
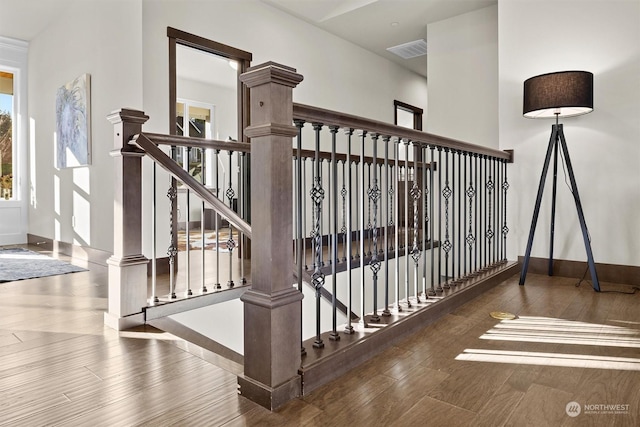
<point x="20" y="264"/>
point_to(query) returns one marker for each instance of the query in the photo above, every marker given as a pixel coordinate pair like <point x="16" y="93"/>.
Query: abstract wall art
<point x="73" y="123"/>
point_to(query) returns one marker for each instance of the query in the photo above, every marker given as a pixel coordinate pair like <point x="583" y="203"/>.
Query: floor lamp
<point x="561" y="94"/>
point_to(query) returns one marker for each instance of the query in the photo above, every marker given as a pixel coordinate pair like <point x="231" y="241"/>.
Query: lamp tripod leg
<point x="553" y="205"/>
<point x="536" y="211"/>
<point x="583" y="224"/>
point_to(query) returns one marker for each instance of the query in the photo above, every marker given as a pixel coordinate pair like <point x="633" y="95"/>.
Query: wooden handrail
<point x="185" y="141"/>
<point x="311" y="114"/>
<point x="143" y="142"/>
<point x="243" y="147"/>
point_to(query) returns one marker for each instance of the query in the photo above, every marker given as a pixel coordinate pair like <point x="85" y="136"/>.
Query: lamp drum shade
<point x="560" y="94"/>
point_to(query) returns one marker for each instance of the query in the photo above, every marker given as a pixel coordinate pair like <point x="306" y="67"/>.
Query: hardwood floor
<point x="60" y="366"/>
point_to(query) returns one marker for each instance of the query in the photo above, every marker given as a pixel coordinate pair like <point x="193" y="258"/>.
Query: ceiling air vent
<point x="410" y="49"/>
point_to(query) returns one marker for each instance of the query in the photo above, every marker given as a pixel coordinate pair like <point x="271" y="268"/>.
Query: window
<point x="6" y="135"/>
<point x="407" y="115"/>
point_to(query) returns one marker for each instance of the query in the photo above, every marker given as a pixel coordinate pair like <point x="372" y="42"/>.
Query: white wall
<point x="337" y="74"/>
<point x="603" y="37"/>
<point x="462" y="69"/>
<point x="102" y="38"/>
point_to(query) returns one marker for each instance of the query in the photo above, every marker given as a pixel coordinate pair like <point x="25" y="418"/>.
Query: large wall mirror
<point x="207" y="100"/>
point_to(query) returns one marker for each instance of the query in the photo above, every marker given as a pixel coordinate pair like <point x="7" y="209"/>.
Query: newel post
<point x="272" y="309"/>
<point x="127" y="265"/>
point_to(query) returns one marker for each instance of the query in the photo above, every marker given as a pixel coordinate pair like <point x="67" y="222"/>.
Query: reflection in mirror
<point x="207" y="96"/>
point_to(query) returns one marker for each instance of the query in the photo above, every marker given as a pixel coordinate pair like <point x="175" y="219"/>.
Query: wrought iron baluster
<point x="231" y="243"/>
<point x="299" y="236"/>
<point x="357" y="212"/>
<point x="440" y="222"/>
<point x="349" y="328"/>
<point x="396" y="180"/>
<point x="415" y="250"/>
<point x="463" y="213"/>
<point x="304" y="215"/>
<point x="407" y="194"/>
<point x="484" y="216"/>
<point x="343" y="229"/>
<point x="374" y="197"/>
<point x="300" y="243"/>
<point x="471" y="193"/>
<point x="317" y="197"/>
<point x="490" y="233"/>
<point x="363" y="192"/>
<point x="447" y="245"/>
<point x="202" y="225"/>
<point x="425" y="223"/>
<point x="454" y="243"/>
<point x="188" y="230"/>
<point x="154" y="297"/>
<point x="368" y="229"/>
<point x="432" y="290"/>
<point x="385" y="141"/>
<point x="505" y="229"/>
<point x="217" y="221"/>
<point x="172" y="251"/>
<point x="498" y="209"/>
<point x="460" y="242"/>
<point x="333" y="208"/>
<point x="241" y="238"/>
<point x="477" y="214"/>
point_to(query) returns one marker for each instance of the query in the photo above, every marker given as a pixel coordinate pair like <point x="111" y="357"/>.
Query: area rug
<point x="20" y="264"/>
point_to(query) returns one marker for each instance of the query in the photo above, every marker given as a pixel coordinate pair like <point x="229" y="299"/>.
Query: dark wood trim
<point x="417" y="113"/>
<point x="613" y="273"/>
<point x="201" y="43"/>
<point x="311" y="114"/>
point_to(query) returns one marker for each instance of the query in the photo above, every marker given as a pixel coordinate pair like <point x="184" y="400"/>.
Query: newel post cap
<point x="128" y="115"/>
<point x="271" y="72"/>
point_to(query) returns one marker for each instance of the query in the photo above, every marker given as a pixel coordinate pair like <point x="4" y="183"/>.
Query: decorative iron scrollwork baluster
<point x="172" y="251"/>
<point x="505" y="229"/>
<point x="317" y="197"/>
<point x="415" y="250"/>
<point x="374" y="196"/>
<point x="343" y="229"/>
<point x="489" y="233"/>
<point x="231" y="243"/>
<point x="471" y="193"/>
<point x="446" y="245"/>
<point x="407" y="194"/>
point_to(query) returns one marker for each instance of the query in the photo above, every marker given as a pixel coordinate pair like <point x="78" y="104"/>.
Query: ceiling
<point x="376" y="25"/>
<point x="25" y="19"/>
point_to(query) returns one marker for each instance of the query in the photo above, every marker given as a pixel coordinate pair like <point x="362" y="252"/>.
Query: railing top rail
<point x="186" y="141"/>
<point x="150" y="147"/>
<point x="311" y="114"/>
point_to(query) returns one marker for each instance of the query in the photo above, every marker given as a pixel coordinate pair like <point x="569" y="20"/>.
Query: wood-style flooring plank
<point x="540" y="406"/>
<point x="59" y="365"/>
